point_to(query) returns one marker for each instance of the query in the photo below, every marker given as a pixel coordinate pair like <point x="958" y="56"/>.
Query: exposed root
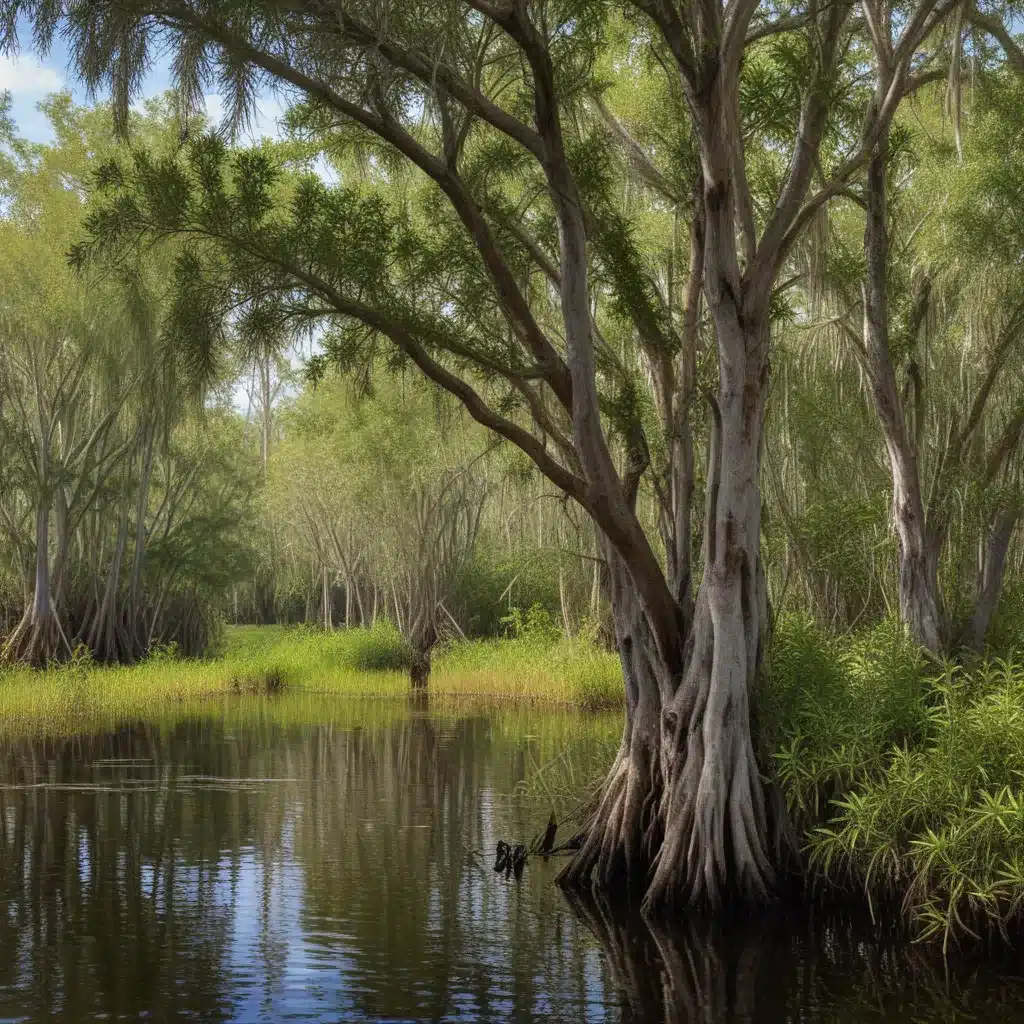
<point x="625" y="829"/>
<point x="36" y="642"/>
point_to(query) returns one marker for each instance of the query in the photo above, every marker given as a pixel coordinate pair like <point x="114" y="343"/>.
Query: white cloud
<point x="24" y="76"/>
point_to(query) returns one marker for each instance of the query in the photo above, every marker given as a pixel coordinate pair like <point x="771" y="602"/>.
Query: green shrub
<point x="493" y="582"/>
<point x="829" y="709"/>
<point x="942" y="824"/>
<point x="905" y="782"/>
<point x="536" y="624"/>
<point x="378" y="648"/>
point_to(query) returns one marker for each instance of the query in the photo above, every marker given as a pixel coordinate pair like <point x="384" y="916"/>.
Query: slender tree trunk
<point x="106" y="636"/>
<point x="918" y="554"/>
<point x="563" y="602"/>
<point x="38" y="639"/>
<point x="990" y="580"/>
<point x="136" y="619"/>
<point x="328" y="623"/>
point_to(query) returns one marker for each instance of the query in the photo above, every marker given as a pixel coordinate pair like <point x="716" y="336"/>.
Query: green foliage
<point x="147" y="492"/>
<point x="378" y="648"/>
<point x="831" y="708"/>
<point x="903" y="783"/>
<point x="535" y="623"/>
<point x="940" y="822"/>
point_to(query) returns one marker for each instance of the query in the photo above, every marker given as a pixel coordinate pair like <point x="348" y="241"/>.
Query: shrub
<point x="377" y="648"/>
<point x="904" y="781"/>
<point x="829" y="709"/>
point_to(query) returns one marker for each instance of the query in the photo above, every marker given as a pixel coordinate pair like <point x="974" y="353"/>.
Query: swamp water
<point x="296" y="859"/>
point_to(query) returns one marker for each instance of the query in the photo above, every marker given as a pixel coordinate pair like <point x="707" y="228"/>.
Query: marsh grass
<point x="256" y="661"/>
<point x="571" y="672"/>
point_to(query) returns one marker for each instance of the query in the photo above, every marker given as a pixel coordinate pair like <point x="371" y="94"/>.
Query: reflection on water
<point x="232" y="869"/>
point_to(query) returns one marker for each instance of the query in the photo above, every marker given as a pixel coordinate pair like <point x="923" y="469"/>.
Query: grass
<point x="570" y="672"/>
<point x="259" y="660"/>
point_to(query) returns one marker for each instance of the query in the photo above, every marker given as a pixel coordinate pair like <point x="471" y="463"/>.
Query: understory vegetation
<point x="903" y="777"/>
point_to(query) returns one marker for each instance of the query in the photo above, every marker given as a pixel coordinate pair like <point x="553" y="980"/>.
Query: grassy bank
<point x="363" y="663"/>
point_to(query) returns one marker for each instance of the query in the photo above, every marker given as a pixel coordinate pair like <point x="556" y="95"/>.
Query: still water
<point x="276" y="861"/>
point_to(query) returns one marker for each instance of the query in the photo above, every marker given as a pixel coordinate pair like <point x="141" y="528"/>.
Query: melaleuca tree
<point x="942" y="352"/>
<point x="387" y="491"/>
<point x="99" y="508"/>
<point x="483" y="278"/>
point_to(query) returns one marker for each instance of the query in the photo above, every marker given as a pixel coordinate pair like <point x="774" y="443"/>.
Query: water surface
<point x="259" y="862"/>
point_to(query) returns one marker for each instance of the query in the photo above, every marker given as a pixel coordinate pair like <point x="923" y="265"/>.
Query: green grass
<point x="531" y="668"/>
<point x="259" y="660"/>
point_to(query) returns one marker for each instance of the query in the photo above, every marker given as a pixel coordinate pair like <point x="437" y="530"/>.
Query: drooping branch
<point x="433" y="75"/>
<point x="391" y="132"/>
<point x="645" y="166"/>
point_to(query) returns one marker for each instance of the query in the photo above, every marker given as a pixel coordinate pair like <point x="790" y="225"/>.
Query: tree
<point x="388" y="491"/>
<point x="483" y="277"/>
<point x="103" y="486"/>
<point x="938" y="345"/>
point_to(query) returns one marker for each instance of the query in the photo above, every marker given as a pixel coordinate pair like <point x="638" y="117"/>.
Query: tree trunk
<point x="918" y="554"/>
<point x="682" y="815"/>
<point x="106" y="636"/>
<point x="136" y="619"/>
<point x="38" y="639"/>
<point x="990" y="580"/>
<point x="326" y="599"/>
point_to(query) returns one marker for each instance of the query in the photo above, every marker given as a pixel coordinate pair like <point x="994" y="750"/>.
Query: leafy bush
<point x="536" y="623"/>
<point x="378" y="648"/>
<point x="905" y="782"/>
<point x="493" y="583"/>
<point x="830" y="708"/>
<point x="941" y="822"/>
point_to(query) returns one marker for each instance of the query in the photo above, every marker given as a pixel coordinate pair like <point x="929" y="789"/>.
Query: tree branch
<point x="386" y="128"/>
<point x="433" y="75"/>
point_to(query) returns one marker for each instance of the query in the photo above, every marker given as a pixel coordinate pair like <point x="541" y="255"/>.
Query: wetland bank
<point x="642" y="361"/>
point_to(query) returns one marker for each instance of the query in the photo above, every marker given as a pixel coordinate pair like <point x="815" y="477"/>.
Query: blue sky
<point x="30" y="79"/>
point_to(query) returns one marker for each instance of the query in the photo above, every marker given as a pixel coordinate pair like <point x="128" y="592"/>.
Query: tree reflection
<point x="199" y="870"/>
<point x="789" y="964"/>
<point x="96" y="895"/>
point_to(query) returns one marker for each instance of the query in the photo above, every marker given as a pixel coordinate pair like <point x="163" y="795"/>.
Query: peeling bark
<point x="682" y="817"/>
